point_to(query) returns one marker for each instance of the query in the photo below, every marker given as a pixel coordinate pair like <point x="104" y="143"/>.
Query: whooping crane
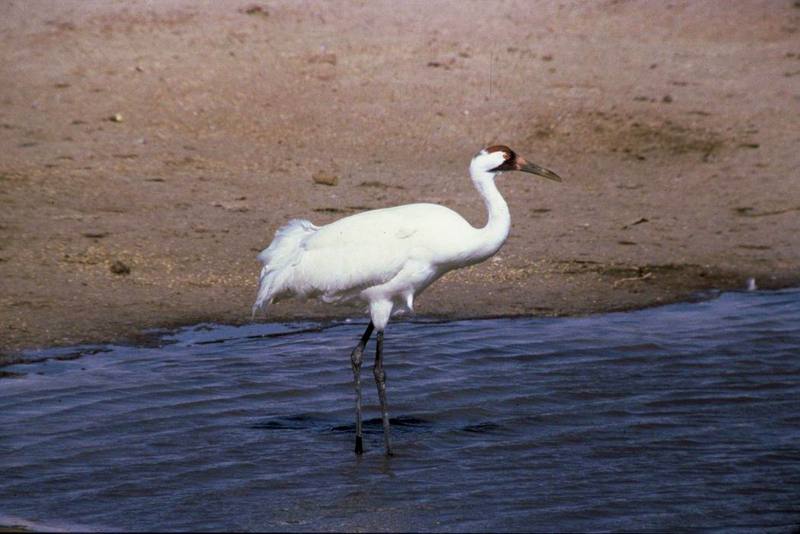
<point x="386" y="257"/>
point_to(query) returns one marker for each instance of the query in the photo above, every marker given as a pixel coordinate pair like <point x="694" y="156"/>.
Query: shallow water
<point x="680" y="417"/>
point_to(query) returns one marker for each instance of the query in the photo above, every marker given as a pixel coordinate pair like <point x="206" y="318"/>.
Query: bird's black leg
<point x="380" y="381"/>
<point x="355" y="359"/>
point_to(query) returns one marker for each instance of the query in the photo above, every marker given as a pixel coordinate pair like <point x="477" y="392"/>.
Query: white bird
<point x="386" y="257"/>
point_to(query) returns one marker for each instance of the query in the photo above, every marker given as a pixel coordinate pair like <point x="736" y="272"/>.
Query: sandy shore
<point x="149" y="150"/>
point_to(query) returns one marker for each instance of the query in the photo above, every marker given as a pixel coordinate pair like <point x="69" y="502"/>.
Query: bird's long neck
<point x="492" y="236"/>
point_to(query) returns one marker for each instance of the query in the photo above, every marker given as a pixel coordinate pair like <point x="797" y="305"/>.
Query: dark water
<point x="684" y="417"/>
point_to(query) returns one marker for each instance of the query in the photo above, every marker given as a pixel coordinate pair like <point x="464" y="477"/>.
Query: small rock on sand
<point x="255" y="9"/>
<point x="118" y="267"/>
<point x="325" y="178"/>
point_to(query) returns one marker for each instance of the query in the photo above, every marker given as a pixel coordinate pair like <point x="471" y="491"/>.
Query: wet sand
<point x="148" y="151"/>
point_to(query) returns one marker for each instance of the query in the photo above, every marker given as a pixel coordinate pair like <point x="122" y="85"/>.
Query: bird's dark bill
<point x="532" y="168"/>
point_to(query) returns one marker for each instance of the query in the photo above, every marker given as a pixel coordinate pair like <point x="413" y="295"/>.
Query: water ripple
<point x="676" y="418"/>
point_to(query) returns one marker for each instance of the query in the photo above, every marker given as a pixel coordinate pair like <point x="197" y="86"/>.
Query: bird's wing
<point x="373" y="225"/>
<point x="341" y="259"/>
<point x="354" y="253"/>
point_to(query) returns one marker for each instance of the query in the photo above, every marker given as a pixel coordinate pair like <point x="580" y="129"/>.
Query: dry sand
<point x="149" y="150"/>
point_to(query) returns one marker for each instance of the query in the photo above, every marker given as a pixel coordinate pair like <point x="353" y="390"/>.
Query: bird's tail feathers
<point x="282" y="254"/>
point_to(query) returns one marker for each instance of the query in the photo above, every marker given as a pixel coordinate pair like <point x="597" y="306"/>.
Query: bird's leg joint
<point x="380" y="375"/>
<point x="356" y="357"/>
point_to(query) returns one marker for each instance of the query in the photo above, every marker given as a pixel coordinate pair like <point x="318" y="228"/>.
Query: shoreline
<point x="152" y="334"/>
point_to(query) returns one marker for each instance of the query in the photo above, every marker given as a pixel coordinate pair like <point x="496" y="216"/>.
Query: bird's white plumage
<point x="407" y="245"/>
<point x="384" y="257"/>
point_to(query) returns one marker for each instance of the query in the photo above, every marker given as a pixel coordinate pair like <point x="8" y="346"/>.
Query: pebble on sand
<point x="118" y="267"/>
<point x="324" y="178"/>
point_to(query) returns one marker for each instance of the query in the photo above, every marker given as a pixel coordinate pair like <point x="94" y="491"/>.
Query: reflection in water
<point x="685" y="416"/>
